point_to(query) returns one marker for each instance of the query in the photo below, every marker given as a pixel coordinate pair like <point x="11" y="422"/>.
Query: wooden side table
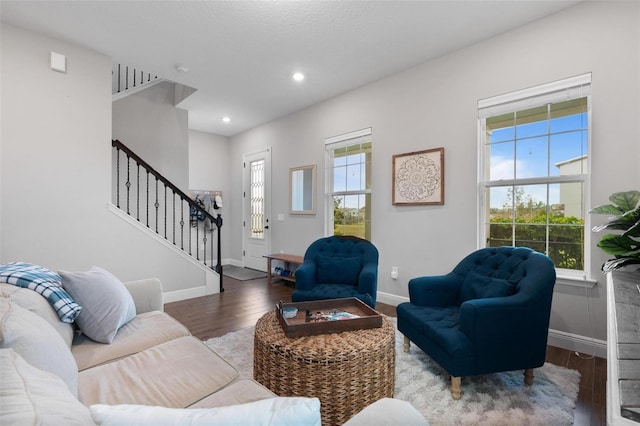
<point x="347" y="371"/>
<point x="288" y="259"/>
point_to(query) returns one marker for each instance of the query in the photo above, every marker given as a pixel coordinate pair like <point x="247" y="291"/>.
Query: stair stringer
<point x="210" y="283"/>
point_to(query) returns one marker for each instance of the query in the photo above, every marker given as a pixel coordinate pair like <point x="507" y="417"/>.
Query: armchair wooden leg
<point x="528" y="376"/>
<point x="456" y="390"/>
<point x="406" y="344"/>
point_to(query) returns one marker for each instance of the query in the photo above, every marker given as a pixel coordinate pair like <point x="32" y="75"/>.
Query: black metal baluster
<point x="126" y="78"/>
<point x="117" y="177"/>
<point x="165" y="212"/>
<point x="156" y="204"/>
<point x="173" y="199"/>
<point x="219" y="254"/>
<point x="204" y="245"/>
<point x="190" y="230"/>
<point x="138" y="192"/>
<point x="128" y="183"/>
<point x="212" y="229"/>
<point x="197" y="239"/>
<point x="134" y="77"/>
<point x="181" y="224"/>
<point x="147" y="198"/>
<point x="119" y="80"/>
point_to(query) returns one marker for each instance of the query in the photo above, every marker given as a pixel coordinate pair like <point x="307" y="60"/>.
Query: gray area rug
<point x="241" y="274"/>
<point x="494" y="399"/>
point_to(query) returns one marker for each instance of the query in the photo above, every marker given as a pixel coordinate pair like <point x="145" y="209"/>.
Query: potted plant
<point x="625" y="217"/>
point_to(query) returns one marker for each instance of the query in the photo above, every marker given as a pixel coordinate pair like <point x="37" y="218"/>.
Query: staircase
<point x="152" y="200"/>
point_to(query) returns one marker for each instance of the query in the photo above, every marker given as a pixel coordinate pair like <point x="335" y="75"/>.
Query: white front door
<point x="256" y="187"/>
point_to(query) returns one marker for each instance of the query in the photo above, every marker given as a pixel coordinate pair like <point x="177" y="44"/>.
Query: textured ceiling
<point x="241" y="54"/>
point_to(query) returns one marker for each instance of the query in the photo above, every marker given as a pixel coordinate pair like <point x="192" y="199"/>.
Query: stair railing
<point x="155" y="202"/>
<point x="127" y="78"/>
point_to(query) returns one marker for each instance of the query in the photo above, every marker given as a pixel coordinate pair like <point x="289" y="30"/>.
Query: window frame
<point x="554" y="92"/>
<point x="332" y="144"/>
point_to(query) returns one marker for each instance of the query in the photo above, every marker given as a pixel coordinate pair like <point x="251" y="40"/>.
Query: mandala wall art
<point x="418" y="177"/>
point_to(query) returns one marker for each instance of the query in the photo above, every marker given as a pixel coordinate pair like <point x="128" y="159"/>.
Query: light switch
<point x="58" y="62"/>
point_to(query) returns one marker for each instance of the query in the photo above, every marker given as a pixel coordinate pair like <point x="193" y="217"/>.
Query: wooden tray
<point x="302" y="324"/>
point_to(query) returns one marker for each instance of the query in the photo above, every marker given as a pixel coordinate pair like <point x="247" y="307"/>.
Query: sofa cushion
<point x="36" y="303"/>
<point x="388" y="412"/>
<point x="479" y="286"/>
<point x="293" y="411"/>
<point x="37" y="342"/>
<point x="338" y="270"/>
<point x="144" y="331"/>
<point x="107" y="303"/>
<point x="31" y="396"/>
<point x="239" y="392"/>
<point x="174" y="374"/>
<point x="44" y="282"/>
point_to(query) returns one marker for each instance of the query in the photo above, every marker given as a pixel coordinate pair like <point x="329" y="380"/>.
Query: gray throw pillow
<point x="37" y="342"/>
<point x="106" y="303"/>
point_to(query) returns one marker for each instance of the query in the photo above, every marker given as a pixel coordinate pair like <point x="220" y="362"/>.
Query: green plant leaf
<point x="617" y="224"/>
<point x="617" y="245"/>
<point x="614" y="264"/>
<point x="632" y="216"/>
<point x="606" y="209"/>
<point x="627" y="200"/>
<point x="634" y="231"/>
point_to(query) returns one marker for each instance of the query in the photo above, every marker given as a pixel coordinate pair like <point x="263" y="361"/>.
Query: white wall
<point x="209" y="169"/>
<point x="55" y="180"/>
<point x="435" y="105"/>
<point x="151" y="126"/>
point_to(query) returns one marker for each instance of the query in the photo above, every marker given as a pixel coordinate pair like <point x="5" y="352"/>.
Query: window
<point x="348" y="172"/>
<point x="534" y="156"/>
<point x="256" y="185"/>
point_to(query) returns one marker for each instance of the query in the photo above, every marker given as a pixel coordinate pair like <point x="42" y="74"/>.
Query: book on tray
<point x="329" y="315"/>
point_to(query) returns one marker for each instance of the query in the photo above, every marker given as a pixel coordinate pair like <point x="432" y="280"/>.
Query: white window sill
<point x="575" y="281"/>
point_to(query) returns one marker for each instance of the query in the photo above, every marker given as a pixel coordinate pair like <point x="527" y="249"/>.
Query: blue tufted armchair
<point x="338" y="267"/>
<point x="490" y="314"/>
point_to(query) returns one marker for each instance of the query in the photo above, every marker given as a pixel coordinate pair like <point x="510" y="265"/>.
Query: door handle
<point x="266" y="227"/>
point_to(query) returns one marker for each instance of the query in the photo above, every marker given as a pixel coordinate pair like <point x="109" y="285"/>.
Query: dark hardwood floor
<point x="244" y="302"/>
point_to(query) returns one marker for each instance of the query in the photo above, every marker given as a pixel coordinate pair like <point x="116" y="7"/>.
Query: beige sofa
<point x="153" y="361"/>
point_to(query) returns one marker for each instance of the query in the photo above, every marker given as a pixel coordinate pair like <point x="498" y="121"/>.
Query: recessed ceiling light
<point x="298" y="76"/>
<point x="226" y="119"/>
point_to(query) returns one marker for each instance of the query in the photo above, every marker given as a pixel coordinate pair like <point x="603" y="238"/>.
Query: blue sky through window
<point x="534" y="150"/>
<point x="349" y="174"/>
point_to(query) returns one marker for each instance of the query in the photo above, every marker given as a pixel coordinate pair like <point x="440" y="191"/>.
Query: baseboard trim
<point x="560" y="339"/>
<point x="188" y="293"/>
<point x="578" y="343"/>
<point x="391" y="299"/>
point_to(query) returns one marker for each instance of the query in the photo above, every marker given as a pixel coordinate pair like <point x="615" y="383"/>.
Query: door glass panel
<point x="256" y="186"/>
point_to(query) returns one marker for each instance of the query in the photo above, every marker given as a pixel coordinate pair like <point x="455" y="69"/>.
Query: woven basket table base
<point x="347" y="371"/>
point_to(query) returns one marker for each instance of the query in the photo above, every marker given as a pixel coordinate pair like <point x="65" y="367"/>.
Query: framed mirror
<point x="302" y="190"/>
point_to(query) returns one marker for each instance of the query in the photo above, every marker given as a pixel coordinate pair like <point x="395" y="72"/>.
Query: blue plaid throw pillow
<point x="44" y="282"/>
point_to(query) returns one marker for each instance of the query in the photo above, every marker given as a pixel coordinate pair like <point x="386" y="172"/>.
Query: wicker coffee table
<point x="347" y="371"/>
